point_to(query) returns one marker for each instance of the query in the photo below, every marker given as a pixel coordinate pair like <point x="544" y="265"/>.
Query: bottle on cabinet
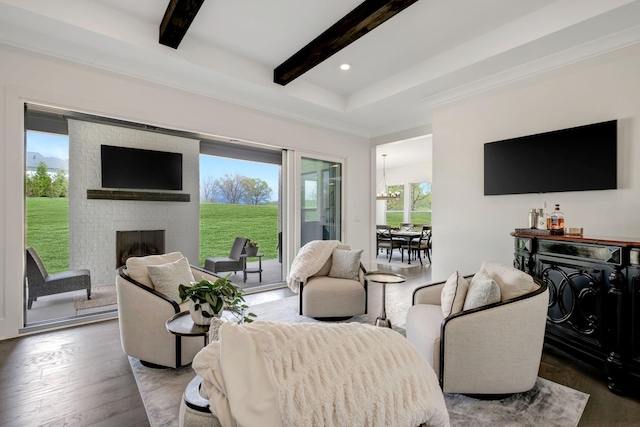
<point x="557" y="221"/>
<point x="542" y="217"/>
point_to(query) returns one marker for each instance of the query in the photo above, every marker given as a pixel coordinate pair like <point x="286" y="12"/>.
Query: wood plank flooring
<point x="80" y="377"/>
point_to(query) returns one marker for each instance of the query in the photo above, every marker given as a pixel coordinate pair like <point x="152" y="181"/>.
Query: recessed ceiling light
<point x="345" y="67"/>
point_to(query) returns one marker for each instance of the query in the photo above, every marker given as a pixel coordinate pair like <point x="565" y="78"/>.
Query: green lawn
<point x="220" y="224"/>
<point x="48" y="231"/>
<point x="395" y="218"/>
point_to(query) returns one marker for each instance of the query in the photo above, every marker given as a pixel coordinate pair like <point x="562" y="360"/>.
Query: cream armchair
<point x="331" y="298"/>
<point x="492" y="350"/>
<point x="143" y="313"/>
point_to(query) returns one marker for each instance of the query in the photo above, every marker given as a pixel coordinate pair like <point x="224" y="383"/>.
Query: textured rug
<point x="547" y="404"/>
<point x="101" y="296"/>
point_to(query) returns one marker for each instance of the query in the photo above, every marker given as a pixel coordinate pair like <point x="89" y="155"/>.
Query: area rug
<point x="101" y="296"/>
<point x="547" y="404"/>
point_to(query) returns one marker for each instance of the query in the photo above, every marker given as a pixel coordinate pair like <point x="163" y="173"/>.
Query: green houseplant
<point x="251" y="248"/>
<point x="208" y="299"/>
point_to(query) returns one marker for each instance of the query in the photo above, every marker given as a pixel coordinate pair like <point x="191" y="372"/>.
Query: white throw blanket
<point x="309" y="261"/>
<point x="296" y="375"/>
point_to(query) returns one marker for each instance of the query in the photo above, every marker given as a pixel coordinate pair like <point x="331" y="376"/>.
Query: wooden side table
<point x="246" y="270"/>
<point x="181" y="325"/>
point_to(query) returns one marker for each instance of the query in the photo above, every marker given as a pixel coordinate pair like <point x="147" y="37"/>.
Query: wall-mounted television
<point x="134" y="168"/>
<point x="575" y="159"/>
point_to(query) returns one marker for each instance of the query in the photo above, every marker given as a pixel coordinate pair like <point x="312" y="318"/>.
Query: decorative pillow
<point x="483" y="290"/>
<point x="453" y="294"/>
<point x="513" y="282"/>
<point x="137" y="266"/>
<point x="345" y="264"/>
<point x="167" y="277"/>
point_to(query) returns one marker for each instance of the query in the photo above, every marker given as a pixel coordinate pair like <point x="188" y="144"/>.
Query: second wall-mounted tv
<point x="134" y="168"/>
<point x="575" y="159"/>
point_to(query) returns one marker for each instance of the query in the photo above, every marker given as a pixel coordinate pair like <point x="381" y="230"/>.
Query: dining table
<point x="407" y="236"/>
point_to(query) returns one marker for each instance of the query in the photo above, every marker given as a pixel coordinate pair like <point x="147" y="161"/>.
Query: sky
<point x="50" y="145"/>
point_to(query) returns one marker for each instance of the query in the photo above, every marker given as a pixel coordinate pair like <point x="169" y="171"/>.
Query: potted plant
<point x="208" y="299"/>
<point x="251" y="248"/>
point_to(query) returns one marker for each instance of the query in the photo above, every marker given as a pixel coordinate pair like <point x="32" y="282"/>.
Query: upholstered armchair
<point x="333" y="296"/>
<point x="143" y="311"/>
<point x="40" y="283"/>
<point x="484" y="341"/>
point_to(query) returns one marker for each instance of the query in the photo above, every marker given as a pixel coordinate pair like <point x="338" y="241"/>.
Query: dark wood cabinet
<point x="594" y="299"/>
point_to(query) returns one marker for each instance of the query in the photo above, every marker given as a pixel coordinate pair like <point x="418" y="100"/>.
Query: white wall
<point x="470" y="227"/>
<point x="93" y="223"/>
<point x="36" y="78"/>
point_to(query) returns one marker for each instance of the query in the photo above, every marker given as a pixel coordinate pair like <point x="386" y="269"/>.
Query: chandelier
<point x="384" y="194"/>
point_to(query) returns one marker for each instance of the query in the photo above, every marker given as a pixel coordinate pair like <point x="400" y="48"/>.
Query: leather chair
<point x="143" y="313"/>
<point x="231" y="263"/>
<point x="490" y="351"/>
<point x="40" y="283"/>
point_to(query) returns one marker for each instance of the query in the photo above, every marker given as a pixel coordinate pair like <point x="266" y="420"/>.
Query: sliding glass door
<point x="320" y="199"/>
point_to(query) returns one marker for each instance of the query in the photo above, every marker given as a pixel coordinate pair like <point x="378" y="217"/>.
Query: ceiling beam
<point x="364" y="18"/>
<point x="176" y="21"/>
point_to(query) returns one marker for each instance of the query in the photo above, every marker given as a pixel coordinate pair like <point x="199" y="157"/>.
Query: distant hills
<point x="53" y="163"/>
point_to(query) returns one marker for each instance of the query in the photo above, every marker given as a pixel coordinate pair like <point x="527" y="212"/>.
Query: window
<point x="395" y="207"/>
<point x="420" y="208"/>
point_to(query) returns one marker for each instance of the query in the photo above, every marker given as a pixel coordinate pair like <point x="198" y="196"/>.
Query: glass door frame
<point x="292" y="203"/>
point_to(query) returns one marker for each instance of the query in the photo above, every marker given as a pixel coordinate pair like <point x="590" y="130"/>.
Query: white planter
<point x="196" y="315"/>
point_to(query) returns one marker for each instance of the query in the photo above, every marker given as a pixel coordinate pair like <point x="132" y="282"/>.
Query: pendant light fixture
<point x="384" y="193"/>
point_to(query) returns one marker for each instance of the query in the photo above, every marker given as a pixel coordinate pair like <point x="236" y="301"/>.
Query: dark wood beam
<point x="364" y="18"/>
<point x="176" y="21"/>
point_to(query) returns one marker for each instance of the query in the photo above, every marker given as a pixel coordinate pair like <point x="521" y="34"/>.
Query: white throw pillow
<point x="513" y="282"/>
<point x="345" y="264"/>
<point x="483" y="290"/>
<point x="137" y="266"/>
<point x="167" y="277"/>
<point x="453" y="294"/>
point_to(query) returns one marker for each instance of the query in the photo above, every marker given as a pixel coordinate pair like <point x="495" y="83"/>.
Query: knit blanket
<point x="295" y="375"/>
<point x="309" y="260"/>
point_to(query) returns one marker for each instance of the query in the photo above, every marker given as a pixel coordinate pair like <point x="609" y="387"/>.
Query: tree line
<point x="235" y="189"/>
<point x="42" y="184"/>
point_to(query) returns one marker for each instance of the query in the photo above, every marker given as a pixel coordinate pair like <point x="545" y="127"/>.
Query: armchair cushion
<point x="167" y="277"/>
<point x="483" y="290"/>
<point x="345" y="264"/>
<point x="453" y="294"/>
<point x="137" y="266"/>
<point x="513" y="282"/>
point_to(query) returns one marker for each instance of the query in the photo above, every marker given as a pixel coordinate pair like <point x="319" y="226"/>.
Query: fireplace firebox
<point x="138" y="243"/>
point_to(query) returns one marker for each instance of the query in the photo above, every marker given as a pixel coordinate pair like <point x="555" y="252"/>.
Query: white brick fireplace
<point x="93" y="223"/>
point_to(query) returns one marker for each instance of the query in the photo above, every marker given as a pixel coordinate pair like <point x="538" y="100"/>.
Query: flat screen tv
<point x="574" y="159"/>
<point x="134" y="168"/>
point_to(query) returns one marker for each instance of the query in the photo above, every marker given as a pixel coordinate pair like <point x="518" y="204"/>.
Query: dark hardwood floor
<point x="80" y="377"/>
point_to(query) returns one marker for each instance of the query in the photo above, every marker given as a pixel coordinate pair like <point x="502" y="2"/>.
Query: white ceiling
<point x="434" y="51"/>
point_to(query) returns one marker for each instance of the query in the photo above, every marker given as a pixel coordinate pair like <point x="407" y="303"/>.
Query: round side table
<point x="181" y="325"/>
<point x="384" y="277"/>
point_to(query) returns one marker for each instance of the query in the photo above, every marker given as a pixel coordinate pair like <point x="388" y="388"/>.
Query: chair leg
<point x="88" y="293"/>
<point x="29" y="303"/>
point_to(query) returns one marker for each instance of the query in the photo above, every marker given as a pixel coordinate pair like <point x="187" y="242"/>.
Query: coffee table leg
<point x="382" y="320"/>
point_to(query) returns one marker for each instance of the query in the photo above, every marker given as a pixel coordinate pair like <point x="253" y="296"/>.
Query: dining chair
<point x="385" y="240"/>
<point x="420" y="244"/>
